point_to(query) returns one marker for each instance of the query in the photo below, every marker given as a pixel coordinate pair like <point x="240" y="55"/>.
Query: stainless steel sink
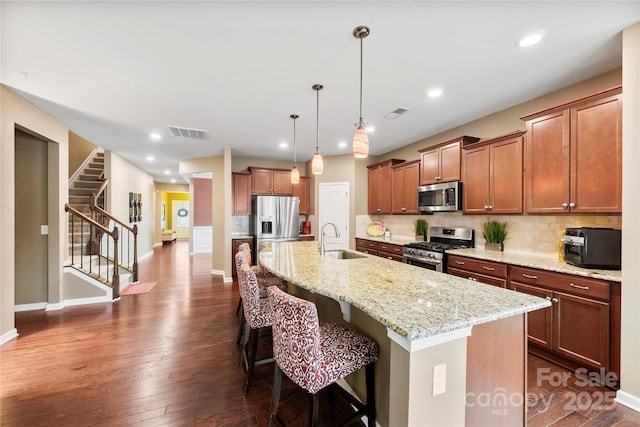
<point x="342" y="254"/>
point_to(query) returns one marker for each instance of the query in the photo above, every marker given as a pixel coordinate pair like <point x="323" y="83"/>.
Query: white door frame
<point x="334" y="214"/>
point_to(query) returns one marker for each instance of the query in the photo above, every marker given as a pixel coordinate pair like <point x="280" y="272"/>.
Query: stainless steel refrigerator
<point x="274" y="219"/>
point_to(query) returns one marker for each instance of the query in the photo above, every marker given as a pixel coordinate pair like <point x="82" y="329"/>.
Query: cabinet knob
<point x="548" y="298"/>
<point x="486" y="207"/>
<point x="490" y="207"/>
<point x="390" y="257"/>
<point x="438" y="178"/>
<point x="378" y="209"/>
<point x="572" y="205"/>
<point x="554" y="300"/>
<point x="404" y="209"/>
<point x="565" y="205"/>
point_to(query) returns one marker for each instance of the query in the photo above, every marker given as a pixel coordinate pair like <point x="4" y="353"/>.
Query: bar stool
<point x="315" y="355"/>
<point x="257" y="315"/>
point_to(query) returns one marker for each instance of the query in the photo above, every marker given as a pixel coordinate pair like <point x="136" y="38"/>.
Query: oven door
<point x="428" y="263"/>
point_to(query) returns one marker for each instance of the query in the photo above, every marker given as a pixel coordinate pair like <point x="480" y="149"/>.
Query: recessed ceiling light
<point x="155" y="136"/>
<point x="173" y="181"/>
<point x="434" y="93"/>
<point x="342" y="144"/>
<point x="167" y="172"/>
<point x="283" y="145"/>
<point x="150" y="158"/>
<point x="530" y="40"/>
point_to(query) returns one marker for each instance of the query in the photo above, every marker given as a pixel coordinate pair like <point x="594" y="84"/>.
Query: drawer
<point x="389" y="255"/>
<point x="576" y="285"/>
<point x="480" y="278"/>
<point x="390" y="248"/>
<point x="487" y="268"/>
<point x="366" y="244"/>
<point x="368" y="251"/>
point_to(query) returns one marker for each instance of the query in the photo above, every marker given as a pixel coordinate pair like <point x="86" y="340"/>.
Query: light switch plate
<point x="439" y="379"/>
<point x="44" y="229"/>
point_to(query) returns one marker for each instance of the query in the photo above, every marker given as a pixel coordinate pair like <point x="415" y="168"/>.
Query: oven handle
<point x="422" y="260"/>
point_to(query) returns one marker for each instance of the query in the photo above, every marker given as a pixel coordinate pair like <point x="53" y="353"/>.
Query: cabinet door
<point x="505" y="190"/>
<point x="411" y="182"/>
<point x="430" y="166"/>
<point x="282" y="185"/>
<point x="261" y="181"/>
<point x="581" y="330"/>
<point x="450" y="162"/>
<point x="397" y="191"/>
<point x="596" y="156"/>
<point x="241" y="194"/>
<point x="475" y="179"/>
<point x="384" y="189"/>
<point x="372" y="201"/>
<point x="539" y="322"/>
<point x="547" y="163"/>
<point x="301" y="190"/>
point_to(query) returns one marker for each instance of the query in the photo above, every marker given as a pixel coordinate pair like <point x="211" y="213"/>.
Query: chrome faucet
<point x="322" y="235"/>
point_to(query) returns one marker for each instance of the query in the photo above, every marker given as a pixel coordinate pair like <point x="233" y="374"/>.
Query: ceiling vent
<point x="396" y="113"/>
<point x="183" y="132"/>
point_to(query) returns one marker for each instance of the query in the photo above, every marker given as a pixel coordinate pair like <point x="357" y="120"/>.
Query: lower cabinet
<point x="234" y="250"/>
<point x="367" y="246"/>
<point x="488" y="272"/>
<point x="577" y="325"/>
<point x="302" y="237"/>
<point x="382" y="249"/>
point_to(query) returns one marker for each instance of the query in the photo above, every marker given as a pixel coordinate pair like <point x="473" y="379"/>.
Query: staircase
<point x="95" y="237"/>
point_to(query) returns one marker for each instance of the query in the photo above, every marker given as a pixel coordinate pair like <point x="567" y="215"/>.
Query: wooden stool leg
<point x="239" y="306"/>
<point x="371" y="395"/>
<point x="253" y="341"/>
<point x="275" y="396"/>
<point x="314" y="416"/>
<point x="241" y="329"/>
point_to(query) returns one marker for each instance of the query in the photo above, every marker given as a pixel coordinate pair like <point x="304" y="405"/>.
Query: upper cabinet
<point x="573" y="157"/>
<point x="379" y="201"/>
<point x="405" y="179"/>
<point x="492" y="175"/>
<point x="271" y="181"/>
<point x="441" y="163"/>
<point x="241" y="193"/>
<point x="301" y="190"/>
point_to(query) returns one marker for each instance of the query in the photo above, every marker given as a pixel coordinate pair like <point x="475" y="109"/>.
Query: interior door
<point x="333" y="208"/>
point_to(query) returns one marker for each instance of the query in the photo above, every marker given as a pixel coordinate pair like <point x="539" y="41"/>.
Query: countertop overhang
<point x="414" y="303"/>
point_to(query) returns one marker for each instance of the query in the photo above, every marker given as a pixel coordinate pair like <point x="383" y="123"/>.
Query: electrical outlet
<point x="439" y="379"/>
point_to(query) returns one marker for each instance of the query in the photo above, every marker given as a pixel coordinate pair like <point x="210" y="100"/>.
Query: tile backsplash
<point x="537" y="234"/>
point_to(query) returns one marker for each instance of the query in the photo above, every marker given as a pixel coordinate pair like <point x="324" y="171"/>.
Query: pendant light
<point x="360" y="139"/>
<point x="295" y="173"/>
<point x="317" y="165"/>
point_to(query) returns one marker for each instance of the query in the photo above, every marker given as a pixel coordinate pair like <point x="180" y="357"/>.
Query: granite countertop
<point x="241" y="236"/>
<point x="411" y="301"/>
<point x="539" y="262"/>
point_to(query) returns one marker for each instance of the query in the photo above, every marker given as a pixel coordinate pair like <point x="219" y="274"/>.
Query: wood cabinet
<point x="241" y="196"/>
<point x="441" y="163"/>
<point x="302" y="191"/>
<point x="367" y="246"/>
<point x="577" y="325"/>
<point x="275" y="182"/>
<point x="492" y="175"/>
<point x="379" y="194"/>
<point x="488" y="272"/>
<point x="405" y="179"/>
<point x="573" y="157"/>
<point x="302" y="237"/>
<point x="382" y="249"/>
<point x="234" y="250"/>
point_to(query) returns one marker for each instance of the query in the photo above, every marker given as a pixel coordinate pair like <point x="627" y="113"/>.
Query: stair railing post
<point x="115" y="281"/>
<point x="135" y="252"/>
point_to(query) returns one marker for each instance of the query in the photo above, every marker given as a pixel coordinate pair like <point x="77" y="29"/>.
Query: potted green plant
<point x="495" y="233"/>
<point x="420" y="229"/>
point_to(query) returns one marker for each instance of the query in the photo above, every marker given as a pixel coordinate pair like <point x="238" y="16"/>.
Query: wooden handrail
<point x="95" y="207"/>
<point x="74" y="211"/>
<point x="102" y="187"/>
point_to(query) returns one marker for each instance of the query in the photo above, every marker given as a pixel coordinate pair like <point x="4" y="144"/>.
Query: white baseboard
<point x="83" y="301"/>
<point x="628" y="400"/>
<point x="55" y="306"/>
<point x="146" y="255"/>
<point x="228" y="280"/>
<point x="30" y="307"/>
<point x="6" y="337"/>
<point x="202" y="239"/>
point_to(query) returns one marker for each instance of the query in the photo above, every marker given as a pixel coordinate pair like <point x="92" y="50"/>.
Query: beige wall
<point x="17" y="112"/>
<point x="124" y="178"/>
<point x="630" y="339"/>
<point x="240" y="164"/>
<point x="79" y="150"/>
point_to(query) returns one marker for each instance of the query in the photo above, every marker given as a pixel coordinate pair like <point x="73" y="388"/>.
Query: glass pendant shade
<point x="295" y="175"/>
<point x="317" y="165"/>
<point x="360" y="143"/>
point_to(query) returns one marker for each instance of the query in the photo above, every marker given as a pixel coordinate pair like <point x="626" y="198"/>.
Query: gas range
<point x="431" y="254"/>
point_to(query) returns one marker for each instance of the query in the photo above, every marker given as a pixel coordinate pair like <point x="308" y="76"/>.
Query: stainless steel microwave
<point x="441" y="197"/>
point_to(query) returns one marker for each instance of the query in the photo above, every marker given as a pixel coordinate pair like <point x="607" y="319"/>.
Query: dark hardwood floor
<point x="168" y="358"/>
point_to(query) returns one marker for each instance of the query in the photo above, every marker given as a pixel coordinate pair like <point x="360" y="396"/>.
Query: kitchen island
<point x="427" y="319"/>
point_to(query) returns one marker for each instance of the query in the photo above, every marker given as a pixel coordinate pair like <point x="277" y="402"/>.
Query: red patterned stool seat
<point x="315" y="355"/>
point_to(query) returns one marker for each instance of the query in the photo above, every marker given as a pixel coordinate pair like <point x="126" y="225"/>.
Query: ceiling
<point x="116" y="71"/>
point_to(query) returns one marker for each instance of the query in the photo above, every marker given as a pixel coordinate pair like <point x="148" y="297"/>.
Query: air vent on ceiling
<point x="188" y="132"/>
<point x="396" y="113"/>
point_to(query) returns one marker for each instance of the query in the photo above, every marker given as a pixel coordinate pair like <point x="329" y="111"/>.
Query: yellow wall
<point x="168" y="197"/>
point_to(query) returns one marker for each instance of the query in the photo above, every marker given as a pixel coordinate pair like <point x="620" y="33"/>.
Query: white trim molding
<point x="8" y="336"/>
<point x="628" y="400"/>
<point x="426" y="342"/>
<point x="30" y="307"/>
